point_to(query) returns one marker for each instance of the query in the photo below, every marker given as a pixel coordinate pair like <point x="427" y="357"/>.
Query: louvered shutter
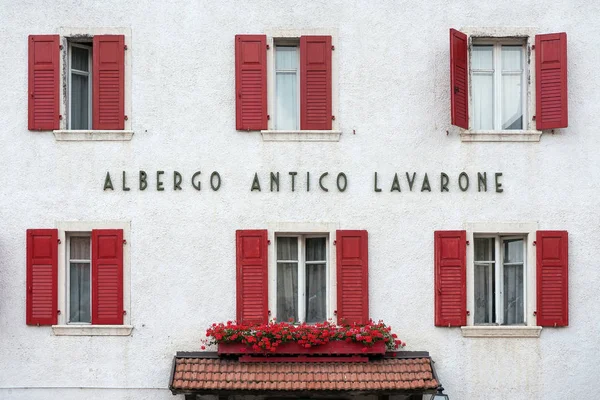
<point x="44" y="56"/>
<point x="42" y="273"/>
<point x="450" y="278"/>
<point x="552" y="248"/>
<point x="352" y="253"/>
<point x="251" y="82"/>
<point x="252" y="277"/>
<point x="551" y="81"/>
<point x="107" y="277"/>
<point x="315" y="83"/>
<point x="459" y="79"/>
<point x="108" y="77"/>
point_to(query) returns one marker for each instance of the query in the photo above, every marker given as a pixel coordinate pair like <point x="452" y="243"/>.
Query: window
<point x="287" y="94"/>
<point x="302" y="278"/>
<point x="80" y="86"/>
<point x="499" y="277"/>
<point x="79" y="278"/>
<point x="498" y="84"/>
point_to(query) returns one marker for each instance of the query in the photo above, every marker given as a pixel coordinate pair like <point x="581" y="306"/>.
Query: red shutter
<point x="551" y="81"/>
<point x="108" y="78"/>
<point x="252" y="277"/>
<point x="251" y="82"/>
<point x="552" y="278"/>
<point x="107" y="277"/>
<point x="44" y="56"/>
<point x="315" y="83"/>
<point x="352" y="277"/>
<point x="459" y="79"/>
<point x="42" y="276"/>
<point x="450" y="278"/>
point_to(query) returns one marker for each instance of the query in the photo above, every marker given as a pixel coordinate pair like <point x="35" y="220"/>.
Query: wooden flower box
<point x="333" y="348"/>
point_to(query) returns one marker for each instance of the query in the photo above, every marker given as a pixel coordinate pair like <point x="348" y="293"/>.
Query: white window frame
<point x="64" y="328"/>
<point x="302" y="264"/>
<point x="89" y="74"/>
<point x="272" y="134"/>
<point x="526" y="230"/>
<point x="68" y="236"/>
<point x="69" y="35"/>
<point x="309" y="229"/>
<point x="507" y="35"/>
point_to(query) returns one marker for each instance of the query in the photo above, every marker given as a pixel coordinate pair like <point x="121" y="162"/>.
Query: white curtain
<point x="79" y="280"/>
<point x="513" y="282"/>
<point x="512" y="91"/>
<point x="484" y="281"/>
<point x="287" y="279"/>
<point x="482" y="64"/>
<point x="316" y="280"/>
<point x="80" y="80"/>
<point x="286" y="88"/>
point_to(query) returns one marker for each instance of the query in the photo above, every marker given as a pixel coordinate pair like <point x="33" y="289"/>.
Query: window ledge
<point x="92" y="135"/>
<point x="301" y="136"/>
<point x="501" y="331"/>
<point x="92" y="330"/>
<point x="500" y="136"/>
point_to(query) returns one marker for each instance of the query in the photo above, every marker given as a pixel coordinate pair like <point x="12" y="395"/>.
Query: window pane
<point x="315" y="249"/>
<point x="513" y="251"/>
<point x="512" y="87"/>
<point x="286" y="88"/>
<point x="316" y="293"/>
<point x="79" y="59"/>
<point x="287" y="291"/>
<point x="79" y="101"/>
<point x="483" y="87"/>
<point x="80" y="248"/>
<point x="484" y="249"/>
<point x="484" y="294"/>
<point x="79" y="293"/>
<point x="482" y="57"/>
<point x="287" y="248"/>
<point x="513" y="294"/>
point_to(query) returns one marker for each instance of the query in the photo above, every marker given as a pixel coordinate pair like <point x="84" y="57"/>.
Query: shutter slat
<point x="107" y="276"/>
<point x="459" y="79"/>
<point x="450" y="278"/>
<point x="551" y="81"/>
<point x="43" y="99"/>
<point x="109" y="82"/>
<point x="315" y="83"/>
<point x="42" y="277"/>
<point x="552" y="286"/>
<point x="251" y="82"/>
<point x="252" y="277"/>
<point x="352" y="253"/>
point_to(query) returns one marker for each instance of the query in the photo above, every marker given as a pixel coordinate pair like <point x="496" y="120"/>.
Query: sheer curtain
<point x="316" y="280"/>
<point x="512" y="81"/>
<point x="80" y="88"/>
<point x="513" y="282"/>
<point x="79" y="280"/>
<point x="287" y="279"/>
<point x="482" y="64"/>
<point x="286" y="87"/>
<point x="484" y="281"/>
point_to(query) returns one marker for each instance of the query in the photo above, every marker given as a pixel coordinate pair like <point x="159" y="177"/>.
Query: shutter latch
<point x="534" y="242"/>
<point x="58" y="240"/>
<point x="124" y="242"/>
<point x="126" y="118"/>
<point x="535" y="313"/>
<point x="468" y="312"/>
<point x="125" y="47"/>
<point x="333" y="117"/>
<point x="332" y="47"/>
<point x="124" y="312"/>
<point x="57" y="312"/>
<point x="334" y="242"/>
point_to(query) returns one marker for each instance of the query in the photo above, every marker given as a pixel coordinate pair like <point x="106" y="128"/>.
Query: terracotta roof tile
<point x="223" y="374"/>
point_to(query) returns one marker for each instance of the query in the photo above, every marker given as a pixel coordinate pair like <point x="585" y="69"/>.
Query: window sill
<point x="92" y="330"/>
<point x="301" y="136"/>
<point x="92" y="135"/>
<point x="500" y="136"/>
<point x="501" y="331"/>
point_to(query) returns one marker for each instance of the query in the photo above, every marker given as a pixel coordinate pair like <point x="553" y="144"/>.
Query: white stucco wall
<point x="393" y="93"/>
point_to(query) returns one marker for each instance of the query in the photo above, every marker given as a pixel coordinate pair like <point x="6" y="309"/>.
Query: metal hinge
<point x="125" y="47"/>
<point x="332" y="48"/>
<point x="268" y="47"/>
<point x="268" y="117"/>
<point x="333" y="117"/>
<point x="124" y="242"/>
<point x="126" y="118"/>
<point x="334" y="242"/>
<point x="533" y="47"/>
<point x="534" y="242"/>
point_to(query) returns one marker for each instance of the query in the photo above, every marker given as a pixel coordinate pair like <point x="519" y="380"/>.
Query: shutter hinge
<point x="333" y="117"/>
<point x="468" y="312"/>
<point x="468" y="243"/>
<point x="334" y="312"/>
<point x="60" y="46"/>
<point x="534" y="242"/>
<point x="332" y="47"/>
<point x="126" y="118"/>
<point x="334" y="242"/>
<point x="268" y="117"/>
<point x="535" y="313"/>
<point x="268" y="47"/>
<point x="533" y="47"/>
<point x="269" y="312"/>
<point x="57" y="312"/>
<point x="58" y="240"/>
<point x="533" y="118"/>
<point x="125" y="47"/>
<point x="60" y="116"/>
<point x="268" y="242"/>
<point x="124" y="312"/>
<point x="124" y="242"/>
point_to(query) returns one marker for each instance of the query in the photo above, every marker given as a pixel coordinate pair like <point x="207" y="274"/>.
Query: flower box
<point x="335" y="347"/>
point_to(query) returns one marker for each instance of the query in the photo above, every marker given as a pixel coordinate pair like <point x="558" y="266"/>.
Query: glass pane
<point x="513" y="251"/>
<point x="482" y="57"/>
<point x="80" y="248"/>
<point x="287" y="291"/>
<point x="316" y="293"/>
<point x="483" y="100"/>
<point x="286" y="87"/>
<point x="287" y="248"/>
<point x="286" y="57"/>
<point x="512" y="87"/>
<point x="484" y="294"/>
<point x="79" y="101"/>
<point x="484" y="249"/>
<point x="79" y="59"/>
<point x="513" y="295"/>
<point x="315" y="249"/>
<point x="79" y="293"/>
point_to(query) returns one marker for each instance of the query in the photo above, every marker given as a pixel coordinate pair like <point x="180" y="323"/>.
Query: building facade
<point x="168" y="166"/>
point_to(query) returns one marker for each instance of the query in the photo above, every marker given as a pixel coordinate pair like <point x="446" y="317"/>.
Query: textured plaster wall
<point x="393" y="92"/>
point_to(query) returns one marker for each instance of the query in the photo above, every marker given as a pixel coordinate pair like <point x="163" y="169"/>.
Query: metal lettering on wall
<point x="320" y="182"/>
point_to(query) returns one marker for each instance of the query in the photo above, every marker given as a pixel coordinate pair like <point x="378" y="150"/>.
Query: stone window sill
<point x="501" y="331"/>
<point x="92" y="330"/>
<point x="92" y="135"/>
<point x="301" y="136"/>
<point x="500" y="136"/>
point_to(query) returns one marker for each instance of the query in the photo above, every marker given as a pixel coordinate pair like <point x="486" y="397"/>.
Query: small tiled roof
<point x="213" y="375"/>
